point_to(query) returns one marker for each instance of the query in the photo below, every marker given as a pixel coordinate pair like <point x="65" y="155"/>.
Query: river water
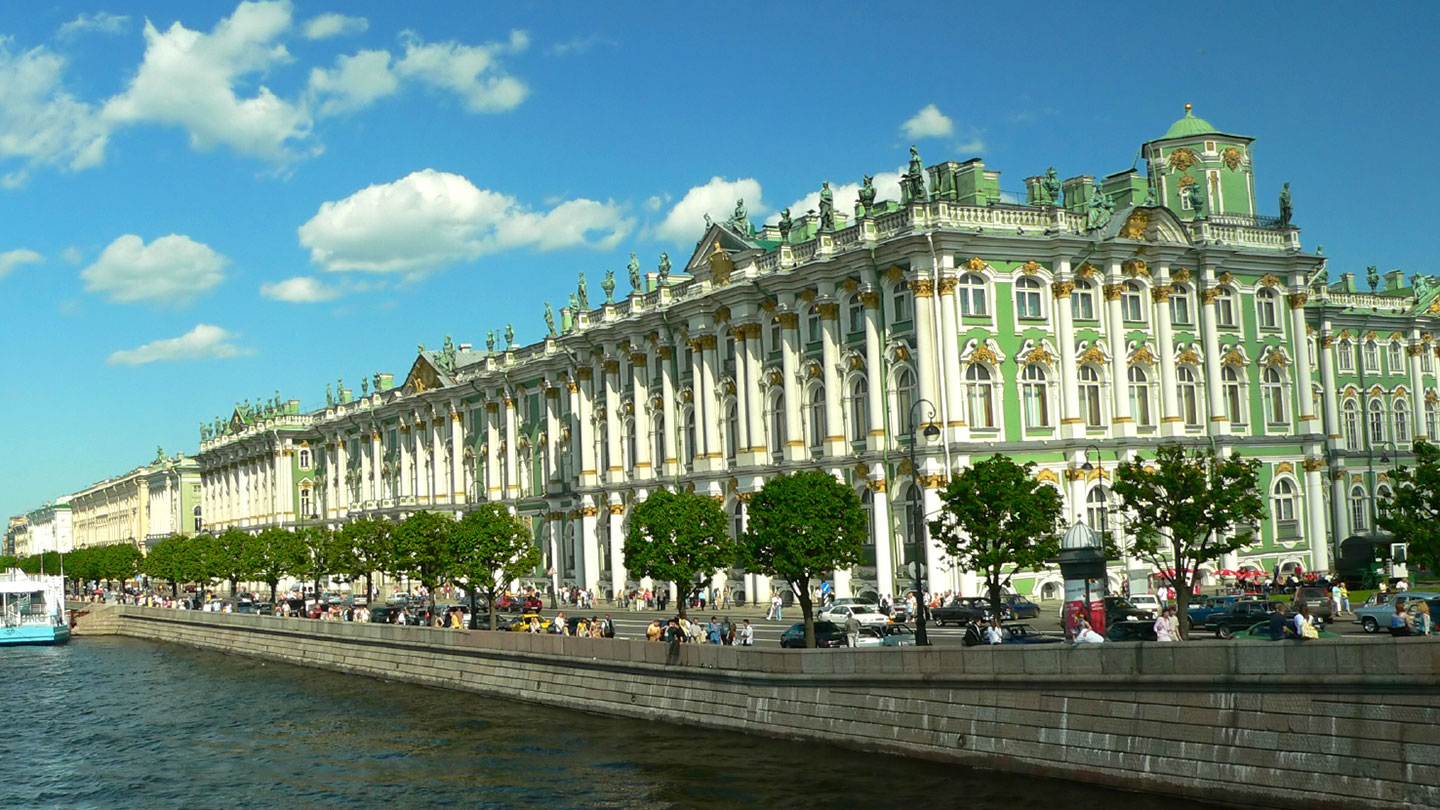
<point x="111" y="722"/>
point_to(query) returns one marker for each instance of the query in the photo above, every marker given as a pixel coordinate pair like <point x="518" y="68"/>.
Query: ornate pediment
<point x="423" y="376"/>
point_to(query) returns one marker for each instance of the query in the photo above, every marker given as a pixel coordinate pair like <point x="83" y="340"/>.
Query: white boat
<point x="32" y="609"/>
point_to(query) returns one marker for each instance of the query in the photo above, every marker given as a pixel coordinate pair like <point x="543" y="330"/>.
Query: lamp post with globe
<point x="931" y="432"/>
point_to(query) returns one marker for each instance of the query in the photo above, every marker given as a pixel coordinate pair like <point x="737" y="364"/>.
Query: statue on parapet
<point x="785" y="225"/>
<point x="1286" y="208"/>
<point x="636" y="283"/>
<point x="509" y="337"/>
<point x="827" y="207"/>
<point x="582" y="293"/>
<point x="664" y="267"/>
<point x="1097" y="209"/>
<point x="608" y="285"/>
<point x="740" y="220"/>
<point x="915" y="177"/>
<point x="1051" y="186"/>
<point x="490" y="339"/>
<point x="376" y="385"/>
<point x="159" y="455"/>
<point x="1372" y="277"/>
<point x="867" y="192"/>
<point x="364" y="387"/>
<point x="550" y="318"/>
<point x="1196" y="198"/>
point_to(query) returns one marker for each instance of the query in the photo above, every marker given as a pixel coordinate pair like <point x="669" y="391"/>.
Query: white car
<point x="1146" y="601"/>
<point x="868" y="615"/>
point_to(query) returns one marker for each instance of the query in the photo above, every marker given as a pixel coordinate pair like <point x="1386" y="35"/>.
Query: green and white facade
<point x="1060" y="331"/>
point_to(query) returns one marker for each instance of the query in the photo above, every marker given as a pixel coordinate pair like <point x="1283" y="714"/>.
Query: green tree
<point x="996" y="519"/>
<point x="675" y="536"/>
<point x="274" y="553"/>
<point x="118" y="562"/>
<point x="163" y="562"/>
<point x="8" y="561"/>
<point x="1412" y="513"/>
<point x="227" y="557"/>
<point x="371" y="547"/>
<point x="323" y="550"/>
<point x="1186" y="509"/>
<point x="491" y="548"/>
<point x="803" y="526"/>
<point x="423" y="550"/>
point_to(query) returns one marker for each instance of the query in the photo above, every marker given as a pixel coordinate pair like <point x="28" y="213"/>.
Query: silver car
<point x="1375" y="614"/>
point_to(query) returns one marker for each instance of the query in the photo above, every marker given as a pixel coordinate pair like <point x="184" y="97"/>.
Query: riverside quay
<point x="1090" y="321"/>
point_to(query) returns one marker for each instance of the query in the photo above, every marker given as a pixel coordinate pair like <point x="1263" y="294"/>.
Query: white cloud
<point x="473" y="72"/>
<point x="430" y="218"/>
<point x="656" y="202"/>
<point x="101" y="22"/>
<point x="974" y="145"/>
<point x="354" y="83"/>
<point x="334" y="25"/>
<point x="299" y="290"/>
<point x="928" y="123"/>
<point x="204" y="342"/>
<point x="40" y="121"/>
<point x="887" y="187"/>
<point x="189" y="79"/>
<point x="172" y="269"/>
<point x="11" y="259"/>
<point x="579" y="45"/>
<point x="686" y="219"/>
<point x="72" y="254"/>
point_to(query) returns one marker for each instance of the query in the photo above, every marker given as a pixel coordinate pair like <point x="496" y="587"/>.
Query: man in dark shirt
<point x="1277" y="623"/>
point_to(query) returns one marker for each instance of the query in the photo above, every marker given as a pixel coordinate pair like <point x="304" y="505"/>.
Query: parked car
<point x="965" y="610"/>
<point x="1318" y="600"/>
<point x="1239" y="616"/>
<point x="827" y="634"/>
<point x="1198" y="612"/>
<point x="1376" y="612"/>
<point x="1120" y="609"/>
<point x="390" y="614"/>
<point x="886" y="635"/>
<point x="1260" y="631"/>
<point x="1009" y="634"/>
<point x="1131" y="631"/>
<point x="1022" y="608"/>
<point x="1146" y="601"/>
<point x="521" y="623"/>
<point x="867" y="615"/>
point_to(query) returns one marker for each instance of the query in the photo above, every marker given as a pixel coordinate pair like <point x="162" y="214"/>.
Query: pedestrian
<point x="1345" y="597"/>
<point x="1278" y="623"/>
<point x="852" y="631"/>
<point x="1399" y="622"/>
<point x="747" y="634"/>
<point x="607" y="628"/>
<point x="652" y="633"/>
<point x="1335" y="603"/>
<point x="993" y="633"/>
<point x="712" y="631"/>
<point x="1422" y="626"/>
<point x="727" y="631"/>
<point x="1304" y="626"/>
<point x="1162" y="626"/>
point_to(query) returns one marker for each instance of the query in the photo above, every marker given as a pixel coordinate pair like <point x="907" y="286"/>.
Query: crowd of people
<point x="717" y="631"/>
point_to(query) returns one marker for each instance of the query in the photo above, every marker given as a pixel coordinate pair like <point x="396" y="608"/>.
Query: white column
<point x="699" y="406"/>
<point x="457" y="454"/>
<point x="438" y="484"/>
<point x="875" y="383"/>
<point x="1171" y="421"/>
<point x="1417" y="387"/>
<point x="880" y="535"/>
<point x="512" y="436"/>
<point x="589" y="544"/>
<point x="1315" y="506"/>
<point x="617" y="545"/>
<point x="1308" y="422"/>
<point x="752" y="414"/>
<point x="794" y="397"/>
<point x="640" y="372"/>
<point x="1119" y="358"/>
<point x="949" y="350"/>
<point x="585" y="432"/>
<point x="552" y="439"/>
<point x="407" y="462"/>
<point x="666" y="355"/>
<point x="376" y="488"/>
<point x="937" y="577"/>
<point x="614" y="427"/>
<point x="1339" y="511"/>
<point x="927" y="369"/>
<point x="493" y="490"/>
<point x="342" y="466"/>
<point x="1209" y="328"/>
<point x="709" y="362"/>
<point x="835" y="443"/>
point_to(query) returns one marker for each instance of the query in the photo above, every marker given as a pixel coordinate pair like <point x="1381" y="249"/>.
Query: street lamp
<point x="1087" y="466"/>
<point x="931" y="433"/>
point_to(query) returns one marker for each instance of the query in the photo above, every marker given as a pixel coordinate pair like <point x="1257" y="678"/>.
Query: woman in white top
<point x="1163" y="631"/>
<point x="1304" y="628"/>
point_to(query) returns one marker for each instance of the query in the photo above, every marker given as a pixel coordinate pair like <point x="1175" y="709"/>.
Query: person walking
<point x="1163" y="631"/>
<point x="1345" y="597"/>
<point x="712" y="631"/>
<point x="852" y="631"/>
<point x="747" y="634"/>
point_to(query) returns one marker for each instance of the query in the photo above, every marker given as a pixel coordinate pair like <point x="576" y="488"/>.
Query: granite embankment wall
<point x="1324" y="724"/>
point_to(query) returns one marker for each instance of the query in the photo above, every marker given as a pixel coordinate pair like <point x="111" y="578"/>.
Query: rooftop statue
<point x="827" y="207"/>
<point x="420" y="348"/>
<point x="636" y="283"/>
<point x="550" y="318"/>
<point x="159" y="455"/>
<point x="1051" y="186"/>
<point x="583" y="293"/>
<point x="708" y="222"/>
<point x="329" y="396"/>
<point x="340" y="387"/>
<point x="1097" y="209"/>
<point x="1286" y="209"/>
<point x="1420" y="285"/>
<point x="1372" y="277"/>
<point x="915" y="176"/>
<point x="1196" y="198"/>
<point x="376" y="384"/>
<point x="490" y="339"/>
<point x="740" y="220"/>
<point x="509" y="336"/>
<point x="664" y="266"/>
<point x="608" y="285"/>
<point x="867" y="192"/>
<point x="364" y="387"/>
<point x="785" y="225"/>
<point x="1150" y="197"/>
<point x="204" y="431"/>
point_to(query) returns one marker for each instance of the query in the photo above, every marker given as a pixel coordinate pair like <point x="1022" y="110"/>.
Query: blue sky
<point x="204" y="203"/>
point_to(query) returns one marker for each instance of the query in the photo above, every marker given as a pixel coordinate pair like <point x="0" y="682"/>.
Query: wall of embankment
<point x="1334" y="723"/>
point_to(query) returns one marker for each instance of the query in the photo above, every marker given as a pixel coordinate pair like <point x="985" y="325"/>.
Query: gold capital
<point x="1160" y="294"/>
<point x="1062" y="289"/>
<point x="1113" y="291"/>
<point x="1297" y="300"/>
<point x="923" y="288"/>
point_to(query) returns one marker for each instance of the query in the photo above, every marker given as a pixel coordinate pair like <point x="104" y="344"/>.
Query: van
<point x="1318" y="600"/>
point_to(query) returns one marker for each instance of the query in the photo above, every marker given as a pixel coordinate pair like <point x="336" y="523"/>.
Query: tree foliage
<point x="490" y="548"/>
<point x="996" y="519"/>
<point x="1412" y="514"/>
<point x="801" y="527"/>
<point x="370" y="547"/>
<point x="1185" y="509"/>
<point x="675" y="536"/>
<point x="423" y="550"/>
<point x="274" y="554"/>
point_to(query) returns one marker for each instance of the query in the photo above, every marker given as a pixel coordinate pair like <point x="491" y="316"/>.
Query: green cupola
<point x="1197" y="170"/>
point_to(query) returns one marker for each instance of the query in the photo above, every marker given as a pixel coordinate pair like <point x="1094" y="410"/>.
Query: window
<point x="1430" y="420"/>
<point x="817" y="417"/>
<point x="982" y="400"/>
<point x="1352" y="425"/>
<point x="1180" y="304"/>
<point x="1359" y="510"/>
<point x="859" y="410"/>
<point x="1372" y="356"/>
<point x="1284" y="500"/>
<point x="776" y="420"/>
<point x="1132" y="303"/>
<point x="1090" y="396"/>
<point x="1397" y="365"/>
<point x="812" y="324"/>
<point x="732" y="432"/>
<point x="855" y="315"/>
<point x="306" y="507"/>
<point x="1382" y="495"/>
<point x="1426" y="364"/>
<point x="1402" y="421"/>
<point x="657" y="422"/>
<point x="1265" y="308"/>
<point x="692" y="449"/>
<point x="1230" y="378"/>
<point x="1034" y="392"/>
<point x="1377" y="421"/>
<point x="304" y="458"/>
<point x="905" y="396"/>
<point x="1346" y="354"/>
<point x="1189" y="398"/>
<point x="1140" y="397"/>
<point x="777" y="336"/>
<point x="196" y="513"/>
<point x="1272" y="391"/>
<point x="901" y="303"/>
<point x="1096" y="514"/>
<point x="1082" y="301"/>
<point x="1028" y="298"/>
<point x="972" y="295"/>
<point x="1225" y="307"/>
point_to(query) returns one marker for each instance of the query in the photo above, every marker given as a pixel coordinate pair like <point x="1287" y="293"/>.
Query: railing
<point x="1366" y="300"/>
<point x="847" y="237"/>
<point x="805" y="251"/>
<point x="894" y="221"/>
<point x="1247" y="220"/>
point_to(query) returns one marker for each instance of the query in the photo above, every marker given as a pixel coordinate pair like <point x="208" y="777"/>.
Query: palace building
<point x="1077" y="327"/>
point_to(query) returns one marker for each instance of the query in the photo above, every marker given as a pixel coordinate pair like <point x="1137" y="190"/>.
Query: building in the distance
<point x="1078" y="328"/>
<point x="51" y="528"/>
<point x="173" y="497"/>
<point x="17" y="537"/>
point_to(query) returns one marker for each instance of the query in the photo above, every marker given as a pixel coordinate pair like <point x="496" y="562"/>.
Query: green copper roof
<point x="1188" y="126"/>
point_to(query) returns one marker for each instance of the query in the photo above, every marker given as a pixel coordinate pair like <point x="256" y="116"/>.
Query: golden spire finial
<point x="1187" y="108"/>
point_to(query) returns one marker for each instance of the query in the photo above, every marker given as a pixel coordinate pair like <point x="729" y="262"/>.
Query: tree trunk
<point x="490" y="600"/>
<point x="683" y="594"/>
<point x="806" y="612"/>
<point x="992" y="582"/>
<point x="274" y="584"/>
<point x="369" y="589"/>
<point x="234" y="583"/>
<point x="474" y="608"/>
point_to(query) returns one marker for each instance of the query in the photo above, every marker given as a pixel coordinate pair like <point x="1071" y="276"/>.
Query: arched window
<point x="1132" y="303"/>
<point x="1377" y="421"/>
<point x="812" y="324"/>
<point x="1272" y="391"/>
<point x="657" y="427"/>
<point x="1372" y="357"/>
<point x="1402" y="421"/>
<point x="775" y="417"/>
<point x="901" y="303"/>
<point x="1382" y="494"/>
<point x="692" y="447"/>
<point x="304" y="458"/>
<point x="1082" y="301"/>
<point x="905" y="397"/>
<point x="817" y="417"/>
<point x="1188" y="395"/>
<point x="1097" y="513"/>
<point x="982" y="399"/>
<point x="1265" y="309"/>
<point x="777" y="335"/>
<point x="855" y="315"/>
<point x="1234" y="402"/>
<point x="1029" y="298"/>
<point x="1427" y="363"/>
<point x="1090" y="397"/>
<point x="630" y="441"/>
<point x="196" y="514"/>
<point x="1225" y="307"/>
<point x="732" y="432"/>
<point x="1430" y="423"/>
<point x="1284" y="498"/>
<point x="1352" y="424"/>
<point x="1140" y="397"/>
<point x="1359" y="509"/>
<point x="1395" y="358"/>
<point x="859" y="410"/>
<point x="972" y="295"/>
<point x="1345" y="353"/>
<point x="1036" y="396"/>
<point x="1180" y="304"/>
